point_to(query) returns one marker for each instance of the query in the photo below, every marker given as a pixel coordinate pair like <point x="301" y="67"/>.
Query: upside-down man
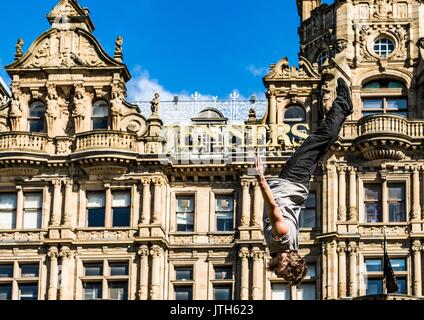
<point x="284" y="196"/>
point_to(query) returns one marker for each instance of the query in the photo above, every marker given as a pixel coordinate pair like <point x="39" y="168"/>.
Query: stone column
<point x="353" y="210"/>
<point x="257" y="212"/>
<point x="145" y="218"/>
<point x="157" y="205"/>
<point x="341" y="251"/>
<point x="272" y="108"/>
<point x="416" y="249"/>
<point x="416" y="208"/>
<point x="67" y="219"/>
<point x="56" y="213"/>
<point x="156" y="253"/>
<point x="65" y="254"/>
<point x="143" y="291"/>
<point x="53" y="254"/>
<point x="244" y="287"/>
<point x="353" y="284"/>
<point x="258" y="262"/>
<point x="245" y="215"/>
<point x="342" y="194"/>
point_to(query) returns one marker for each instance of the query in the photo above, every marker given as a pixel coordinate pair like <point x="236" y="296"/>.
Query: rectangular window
<point x="33" y="205"/>
<point x="29" y="270"/>
<point x="372" y="106"/>
<point x="308" y="217"/>
<point x="185" y="214"/>
<point x="281" y="291"/>
<point x="93" y="269"/>
<point x="121" y="209"/>
<point x="119" y="269"/>
<point x="223" y="273"/>
<point x="223" y="293"/>
<point x="28" y="291"/>
<point x="224" y="213"/>
<point x="374" y="265"/>
<point x="6" y="270"/>
<point x="5" y="292"/>
<point x="398" y="265"/>
<point x="92" y="290"/>
<point x="183" y="293"/>
<point x="373" y="212"/>
<point x="401" y="282"/>
<point x="183" y="274"/>
<point x="96" y="209"/>
<point x="7" y="211"/>
<point x="397" y="209"/>
<point x="118" y="290"/>
<point x="306" y="291"/>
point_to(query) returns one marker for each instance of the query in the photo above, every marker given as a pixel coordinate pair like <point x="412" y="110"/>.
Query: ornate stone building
<point x="100" y="200"/>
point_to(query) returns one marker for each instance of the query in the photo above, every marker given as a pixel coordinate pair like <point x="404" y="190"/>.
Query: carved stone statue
<point x="52" y="108"/>
<point x="155" y="105"/>
<point x="15" y="111"/>
<point x="118" y="49"/>
<point x="81" y="103"/>
<point x="382" y="9"/>
<point x="19" y="49"/>
<point x="117" y="109"/>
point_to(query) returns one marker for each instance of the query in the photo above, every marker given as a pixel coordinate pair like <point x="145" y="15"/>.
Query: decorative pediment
<point x="65" y="49"/>
<point x="68" y="13"/>
<point x="283" y="70"/>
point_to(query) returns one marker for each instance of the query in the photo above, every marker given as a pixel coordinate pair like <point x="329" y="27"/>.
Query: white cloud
<point x="143" y="87"/>
<point x="257" y="71"/>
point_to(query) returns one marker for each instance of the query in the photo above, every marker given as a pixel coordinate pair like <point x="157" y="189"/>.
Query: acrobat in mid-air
<point x="284" y="196"/>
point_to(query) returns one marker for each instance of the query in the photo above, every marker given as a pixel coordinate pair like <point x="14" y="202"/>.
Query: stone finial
<point x="252" y="116"/>
<point x="19" y="49"/>
<point x="119" y="56"/>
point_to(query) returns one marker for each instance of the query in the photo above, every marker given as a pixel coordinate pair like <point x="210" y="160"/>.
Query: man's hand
<point x="260" y="168"/>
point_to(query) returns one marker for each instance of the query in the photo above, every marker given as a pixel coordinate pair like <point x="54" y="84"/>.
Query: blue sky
<point x="176" y="47"/>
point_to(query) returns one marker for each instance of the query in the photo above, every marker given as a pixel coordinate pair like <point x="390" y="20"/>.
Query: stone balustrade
<point x="106" y="140"/>
<point x="383" y="124"/>
<point x="22" y="141"/>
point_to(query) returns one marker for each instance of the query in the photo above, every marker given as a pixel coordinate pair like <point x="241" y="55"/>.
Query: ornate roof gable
<point x="283" y="71"/>
<point x="70" y="12"/>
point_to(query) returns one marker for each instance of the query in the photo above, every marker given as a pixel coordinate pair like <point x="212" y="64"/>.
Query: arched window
<point x="36" y="116"/>
<point x="294" y="115"/>
<point x="100" y="118"/>
<point x="384" y="96"/>
<point x="324" y="55"/>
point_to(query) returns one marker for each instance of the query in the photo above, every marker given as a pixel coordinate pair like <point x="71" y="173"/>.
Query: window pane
<point x="225" y="204"/>
<point x="32" y="219"/>
<point x="398" y="264"/>
<point x="96" y="218"/>
<point x="312" y="271"/>
<point x="185" y="222"/>
<point x="397" y="192"/>
<point x="121" y="217"/>
<point x="119" y="269"/>
<point x="281" y="292"/>
<point x="183" y="293"/>
<point x="373" y="213"/>
<point x="223" y="293"/>
<point x="223" y="273"/>
<point x="33" y="200"/>
<point x="397" y="212"/>
<point x="28" y="292"/>
<point x="185" y="204"/>
<point x="100" y="123"/>
<point x="118" y="290"/>
<point x="374" y="287"/>
<point x="372" y="192"/>
<point x="36" y="109"/>
<point x="373" y="265"/>
<point x="372" y="85"/>
<point x="29" y="270"/>
<point x="121" y="199"/>
<point x="92" y="290"/>
<point x="373" y="104"/>
<point x="306" y="291"/>
<point x="7" y="220"/>
<point x="224" y="221"/>
<point x="6" y="271"/>
<point x="36" y="125"/>
<point x="93" y="269"/>
<point x="5" y="292"/>
<point x="397" y="104"/>
<point x="401" y="282"/>
<point x="307" y="219"/>
<point x="100" y="109"/>
<point x="7" y="201"/>
<point x="183" y="274"/>
<point x="96" y="200"/>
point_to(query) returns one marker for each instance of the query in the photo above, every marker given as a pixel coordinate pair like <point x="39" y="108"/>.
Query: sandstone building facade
<point x="100" y="200"/>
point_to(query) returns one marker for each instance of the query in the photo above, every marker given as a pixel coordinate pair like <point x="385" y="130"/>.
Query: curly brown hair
<point x="295" y="270"/>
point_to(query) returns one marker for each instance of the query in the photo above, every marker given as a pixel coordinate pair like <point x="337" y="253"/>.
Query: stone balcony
<point x="383" y="136"/>
<point x="106" y="140"/>
<point x="23" y="142"/>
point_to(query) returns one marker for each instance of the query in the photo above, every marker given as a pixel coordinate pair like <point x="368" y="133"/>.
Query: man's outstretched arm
<point x="279" y="226"/>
